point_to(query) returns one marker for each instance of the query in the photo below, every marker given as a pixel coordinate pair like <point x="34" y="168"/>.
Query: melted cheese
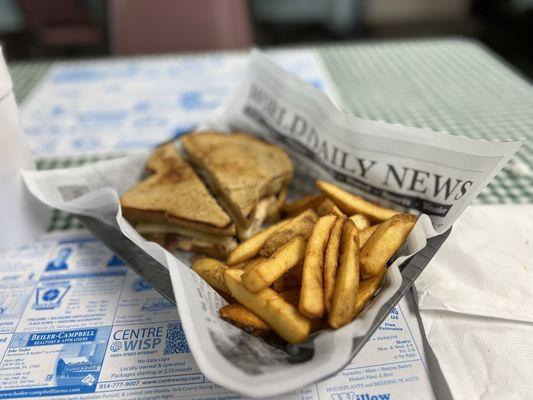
<point x="260" y="214"/>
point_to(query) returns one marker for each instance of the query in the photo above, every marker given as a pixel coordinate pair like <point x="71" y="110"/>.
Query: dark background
<point x="37" y="29"/>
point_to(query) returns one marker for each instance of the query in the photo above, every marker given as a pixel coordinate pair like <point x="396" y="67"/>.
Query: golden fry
<point x="312" y="293"/>
<point x="292" y="296"/>
<point x="386" y="240"/>
<point x="212" y="271"/>
<point x="289" y="275"/>
<point x="365" y="234"/>
<point x="328" y="207"/>
<point x="268" y="305"/>
<point x="360" y="221"/>
<point x="250" y="248"/>
<point x="347" y="280"/>
<point x="301" y="225"/>
<point x="242" y="265"/>
<point x="252" y="263"/>
<point x="351" y="204"/>
<point x="300" y="205"/>
<point x="367" y="288"/>
<point x="331" y="260"/>
<point x="242" y="317"/>
<point x="263" y="274"/>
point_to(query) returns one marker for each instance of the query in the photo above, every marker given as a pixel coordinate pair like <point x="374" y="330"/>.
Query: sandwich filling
<point x="261" y="211"/>
<point x="187" y="237"/>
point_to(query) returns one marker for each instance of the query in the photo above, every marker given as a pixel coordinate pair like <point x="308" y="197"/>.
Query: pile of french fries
<point x="316" y="269"/>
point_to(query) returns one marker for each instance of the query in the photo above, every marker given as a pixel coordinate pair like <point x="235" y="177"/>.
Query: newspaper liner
<point x="411" y="169"/>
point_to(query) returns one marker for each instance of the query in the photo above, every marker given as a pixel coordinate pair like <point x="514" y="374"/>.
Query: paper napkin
<point x="476" y="303"/>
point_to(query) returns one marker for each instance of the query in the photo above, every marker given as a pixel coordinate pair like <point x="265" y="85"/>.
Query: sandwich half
<point x="173" y="207"/>
<point x="248" y="176"/>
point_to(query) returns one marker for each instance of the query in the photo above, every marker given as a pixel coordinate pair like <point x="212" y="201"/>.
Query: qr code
<point x="175" y="342"/>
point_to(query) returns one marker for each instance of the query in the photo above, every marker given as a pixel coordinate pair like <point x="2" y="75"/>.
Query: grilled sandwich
<point x="173" y="207"/>
<point x="221" y="192"/>
<point x="248" y="176"/>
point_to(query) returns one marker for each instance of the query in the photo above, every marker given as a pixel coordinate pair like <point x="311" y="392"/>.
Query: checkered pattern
<point x="25" y="76"/>
<point x="447" y="85"/>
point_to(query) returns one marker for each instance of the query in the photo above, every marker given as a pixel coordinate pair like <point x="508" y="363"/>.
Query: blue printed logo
<point x="359" y="396"/>
<point x="19" y="341"/>
<point x="51" y="294"/>
<point x="115" y="346"/>
<point x="61" y="337"/>
<point x="49" y="297"/>
<point x="88" y="380"/>
<point x="59" y="262"/>
<point x="136" y="339"/>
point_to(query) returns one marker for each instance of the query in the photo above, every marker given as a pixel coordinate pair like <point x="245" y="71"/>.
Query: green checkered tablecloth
<point x="451" y="85"/>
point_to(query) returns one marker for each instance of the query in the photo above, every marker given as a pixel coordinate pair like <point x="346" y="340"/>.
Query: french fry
<point x="328" y="207"/>
<point x="212" y="271"/>
<point x="312" y="293"/>
<point x="268" y="305"/>
<point x="242" y="265"/>
<point x="300" y="205"/>
<point x="347" y="279"/>
<point x="351" y="204"/>
<point x="292" y="296"/>
<point x="263" y="274"/>
<point x="386" y="240"/>
<point x="290" y="279"/>
<point x="365" y="234"/>
<point x="331" y="260"/>
<point x="360" y="221"/>
<point x="242" y="317"/>
<point x="301" y="225"/>
<point x="286" y="277"/>
<point x="250" y="248"/>
<point x="252" y="263"/>
<point x="367" y="288"/>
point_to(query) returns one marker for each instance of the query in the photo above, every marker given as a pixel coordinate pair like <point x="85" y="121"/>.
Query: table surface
<point x="453" y="85"/>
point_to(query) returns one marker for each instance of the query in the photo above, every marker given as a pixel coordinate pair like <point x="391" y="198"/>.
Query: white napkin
<point x="476" y="303"/>
<point x="23" y="218"/>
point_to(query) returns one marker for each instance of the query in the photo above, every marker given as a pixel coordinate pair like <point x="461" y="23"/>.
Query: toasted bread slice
<point x="174" y="194"/>
<point x="163" y="158"/>
<point x="241" y="170"/>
